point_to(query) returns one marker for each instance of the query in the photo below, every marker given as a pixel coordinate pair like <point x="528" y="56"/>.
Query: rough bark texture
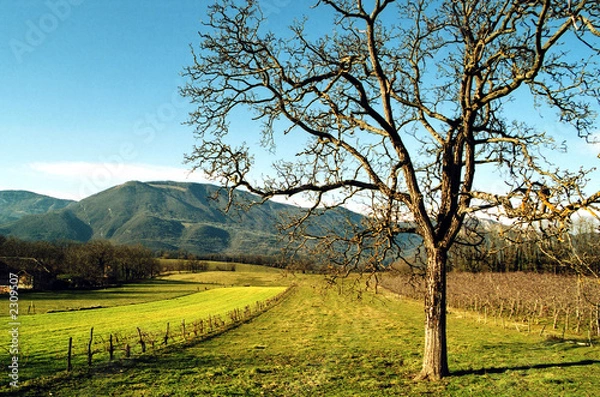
<point x="435" y="355"/>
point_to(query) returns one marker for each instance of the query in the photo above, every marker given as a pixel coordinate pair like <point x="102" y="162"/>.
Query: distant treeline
<point x="67" y="264"/>
<point x="502" y="249"/>
<point x="196" y="262"/>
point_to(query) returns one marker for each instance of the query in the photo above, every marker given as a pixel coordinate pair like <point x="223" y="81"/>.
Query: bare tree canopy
<point x="402" y="102"/>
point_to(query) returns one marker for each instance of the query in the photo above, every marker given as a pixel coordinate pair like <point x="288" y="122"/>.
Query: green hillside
<point x="171" y="216"/>
<point x="56" y="225"/>
<point x="15" y="204"/>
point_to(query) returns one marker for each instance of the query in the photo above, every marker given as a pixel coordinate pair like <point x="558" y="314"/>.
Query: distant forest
<point x="501" y="248"/>
<point x="99" y="263"/>
<point x="67" y="264"/>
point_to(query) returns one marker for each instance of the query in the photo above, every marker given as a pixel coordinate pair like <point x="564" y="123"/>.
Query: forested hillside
<point x="15" y="204"/>
<point x="172" y="216"/>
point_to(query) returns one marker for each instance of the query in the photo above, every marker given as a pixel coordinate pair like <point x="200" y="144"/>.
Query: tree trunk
<point x="435" y="356"/>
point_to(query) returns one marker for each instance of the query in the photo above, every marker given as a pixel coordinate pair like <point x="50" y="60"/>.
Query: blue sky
<point x="89" y="92"/>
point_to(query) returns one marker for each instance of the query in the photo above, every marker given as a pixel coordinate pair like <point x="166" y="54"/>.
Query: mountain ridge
<point x="15" y="204"/>
<point x="166" y="215"/>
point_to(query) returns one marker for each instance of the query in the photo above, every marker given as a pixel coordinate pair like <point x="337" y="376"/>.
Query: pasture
<point x="130" y="314"/>
<point x="341" y="341"/>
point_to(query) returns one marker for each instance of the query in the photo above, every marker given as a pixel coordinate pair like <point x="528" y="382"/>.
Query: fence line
<point x="202" y="329"/>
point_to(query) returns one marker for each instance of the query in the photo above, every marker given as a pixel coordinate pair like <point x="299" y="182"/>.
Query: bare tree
<point x="575" y="249"/>
<point x="401" y="102"/>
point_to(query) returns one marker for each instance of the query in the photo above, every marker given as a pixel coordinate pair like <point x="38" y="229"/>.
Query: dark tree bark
<point x="435" y="355"/>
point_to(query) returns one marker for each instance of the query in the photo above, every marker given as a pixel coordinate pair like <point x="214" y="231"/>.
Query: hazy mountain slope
<point x="55" y="225"/>
<point x="15" y="204"/>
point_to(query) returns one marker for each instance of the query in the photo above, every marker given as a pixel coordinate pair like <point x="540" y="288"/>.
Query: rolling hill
<point x="170" y="216"/>
<point x="15" y="204"/>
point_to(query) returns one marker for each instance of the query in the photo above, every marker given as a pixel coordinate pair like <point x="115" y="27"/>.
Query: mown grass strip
<point x="35" y="303"/>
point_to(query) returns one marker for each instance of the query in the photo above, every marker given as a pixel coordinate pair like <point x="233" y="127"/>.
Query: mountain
<point x="15" y="204"/>
<point x="54" y="225"/>
<point x="171" y="216"/>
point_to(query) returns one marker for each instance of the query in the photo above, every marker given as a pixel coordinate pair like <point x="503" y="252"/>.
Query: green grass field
<point x="318" y="342"/>
<point x="43" y="338"/>
<point x="129" y="294"/>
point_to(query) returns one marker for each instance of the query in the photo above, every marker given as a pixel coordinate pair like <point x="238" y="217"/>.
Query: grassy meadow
<point x="323" y="341"/>
<point x="43" y="338"/>
<point x="129" y="294"/>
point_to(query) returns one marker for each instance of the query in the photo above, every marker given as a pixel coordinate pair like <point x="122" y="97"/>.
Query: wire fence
<point x="118" y="346"/>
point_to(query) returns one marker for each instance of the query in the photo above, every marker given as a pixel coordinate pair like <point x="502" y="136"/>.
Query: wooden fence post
<point x="111" y="348"/>
<point x="166" y="338"/>
<point x="90" y="352"/>
<point x="141" y="341"/>
<point x="69" y="352"/>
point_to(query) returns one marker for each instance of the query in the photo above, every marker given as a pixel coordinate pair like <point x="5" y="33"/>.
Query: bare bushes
<point x="557" y="302"/>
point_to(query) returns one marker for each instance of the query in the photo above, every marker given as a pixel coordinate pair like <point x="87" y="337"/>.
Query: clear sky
<point x="89" y="92"/>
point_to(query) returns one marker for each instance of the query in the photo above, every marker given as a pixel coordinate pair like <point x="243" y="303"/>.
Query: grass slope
<point x="43" y="338"/>
<point x="129" y="294"/>
<point x="320" y="343"/>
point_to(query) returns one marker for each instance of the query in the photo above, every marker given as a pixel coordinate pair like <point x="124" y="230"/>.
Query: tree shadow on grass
<point x="500" y="370"/>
